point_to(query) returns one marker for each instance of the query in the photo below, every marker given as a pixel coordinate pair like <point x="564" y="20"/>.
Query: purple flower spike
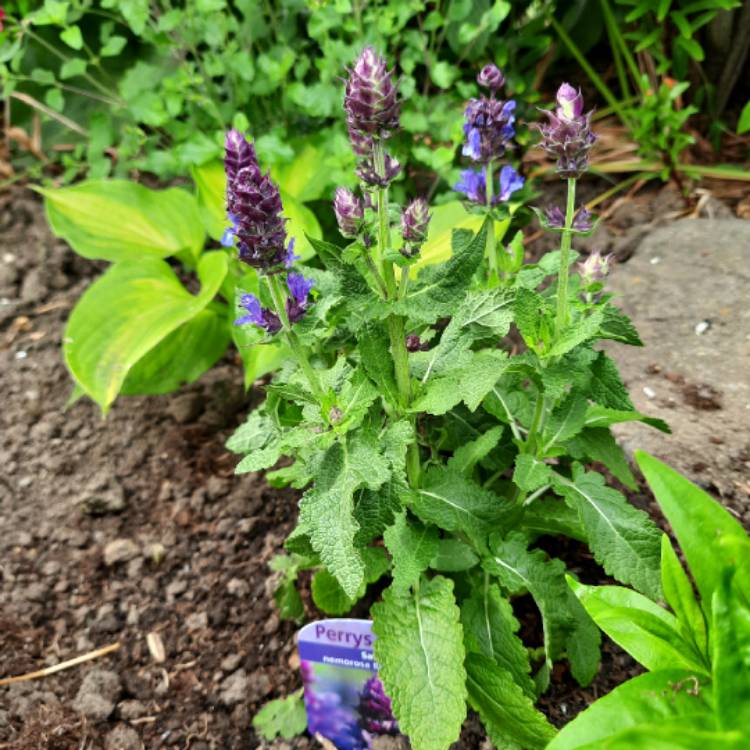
<point x="510" y="182"/>
<point x="371" y="100"/>
<point x="376" y="714"/>
<point x="258" y="315"/>
<point x="349" y="212"/>
<point x="415" y="219"/>
<point x="299" y="288"/>
<point x="567" y="135"/>
<point x="254" y="207"/>
<point x="491" y="77"/>
<point x="488" y="128"/>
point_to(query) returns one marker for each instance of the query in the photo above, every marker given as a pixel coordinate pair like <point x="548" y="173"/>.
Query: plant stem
<point x="561" y="318"/>
<point x="491" y="253"/>
<point x="299" y="351"/>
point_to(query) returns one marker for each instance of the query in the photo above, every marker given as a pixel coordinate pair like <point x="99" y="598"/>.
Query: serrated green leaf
<point x="118" y="220"/>
<point x="576" y="334"/>
<point x="624" y="540"/>
<point x="618" y="327"/>
<point x="420" y="651"/>
<point x="283" y="717"/>
<point x="490" y="629"/>
<point x="328" y="595"/>
<point x="530" y="473"/>
<point x="529" y="310"/>
<point x="374" y="350"/>
<point x="601" y="416"/>
<point x="412" y="546"/>
<point x="598" y="444"/>
<point x="375" y="510"/>
<point x="607" y="387"/>
<point x="566" y="421"/>
<point x="551" y="516"/>
<point x="507" y="713"/>
<point x="470" y="454"/>
<point x="104" y="341"/>
<point x="453" y="556"/>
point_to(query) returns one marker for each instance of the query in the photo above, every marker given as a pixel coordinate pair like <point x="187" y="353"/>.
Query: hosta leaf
<point x="507" y="713"/>
<point x="420" y="651"/>
<point x="624" y="540"/>
<point x="412" y="546"/>
<point x="490" y="629"/>
<point x="125" y="314"/>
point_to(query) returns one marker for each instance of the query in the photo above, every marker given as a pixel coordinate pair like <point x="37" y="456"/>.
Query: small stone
<point x="176" y="588"/>
<point x="231" y="662"/>
<point x="238" y="587"/>
<point x="123" y="737"/>
<point x="197" y="621"/>
<point x="185" y="407"/>
<point x="119" y="551"/>
<point x="234" y="688"/>
<point x="36" y="592"/>
<point x="98" y="694"/>
<point x="260" y="685"/>
<point x="102" y="502"/>
<point x="129" y="710"/>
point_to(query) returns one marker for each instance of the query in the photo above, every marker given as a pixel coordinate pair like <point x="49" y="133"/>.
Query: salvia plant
<point x="442" y="423"/>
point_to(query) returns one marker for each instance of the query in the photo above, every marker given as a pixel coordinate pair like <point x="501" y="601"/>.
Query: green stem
<point x="491" y="253"/>
<point x="299" y="351"/>
<point x="561" y="318"/>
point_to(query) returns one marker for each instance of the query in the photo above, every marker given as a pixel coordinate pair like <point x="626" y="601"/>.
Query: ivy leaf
<point x="283" y="717"/>
<point x="530" y="473"/>
<point x="618" y="327"/>
<point x="454" y="503"/>
<point x="606" y="386"/>
<point x="490" y="629"/>
<point x="507" y="713"/>
<point x="412" y="546"/>
<point x="420" y="651"/>
<point x="470" y="454"/>
<point x="438" y="287"/>
<point x="624" y="540"/>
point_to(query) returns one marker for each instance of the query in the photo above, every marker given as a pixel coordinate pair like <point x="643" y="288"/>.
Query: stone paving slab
<point x="687" y="289"/>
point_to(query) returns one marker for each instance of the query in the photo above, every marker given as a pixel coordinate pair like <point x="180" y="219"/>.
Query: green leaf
<point x="530" y="473"/>
<point x="507" y="713"/>
<point x="650" y="698"/>
<point x="529" y="309"/>
<point x="113" y="46"/>
<point x="601" y="416"/>
<point x="490" y="629"/>
<point x="730" y="635"/>
<point x="566" y="421"/>
<point x="575" y="334"/>
<point x="678" y="591"/>
<point x="117" y="220"/>
<point x="182" y="357"/>
<point x="283" y="717"/>
<point x="598" y="444"/>
<point x="289" y="601"/>
<point x="72" y="37"/>
<point x="649" y="633"/>
<point x="699" y="523"/>
<point x="454" y="503"/>
<point x="437" y="288"/>
<point x="468" y="455"/>
<point x="72" y="68"/>
<point x="743" y="124"/>
<point x="606" y="386"/>
<point x="122" y="316"/>
<point x="211" y="182"/>
<point x="624" y="540"/>
<point x="374" y="350"/>
<point x="326" y="510"/>
<point x="420" y="651"/>
<point x="618" y="327"/>
<point x="412" y="546"/>
<point x="328" y="594"/>
<point x="453" y="556"/>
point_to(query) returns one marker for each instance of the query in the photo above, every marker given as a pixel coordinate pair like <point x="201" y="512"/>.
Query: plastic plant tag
<point x="344" y="697"/>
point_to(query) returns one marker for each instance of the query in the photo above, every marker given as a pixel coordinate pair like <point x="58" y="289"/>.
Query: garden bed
<point x="192" y="540"/>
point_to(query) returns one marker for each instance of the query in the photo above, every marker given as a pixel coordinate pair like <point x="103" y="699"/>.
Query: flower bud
<point x="491" y="77"/>
<point x="415" y="219"/>
<point x="258" y="315"/>
<point x="299" y="289"/>
<point x="582" y="221"/>
<point x="371" y="100"/>
<point x="488" y="128"/>
<point x="367" y="172"/>
<point x="238" y="154"/>
<point x="415" y="344"/>
<point x="596" y="267"/>
<point x="349" y="212"/>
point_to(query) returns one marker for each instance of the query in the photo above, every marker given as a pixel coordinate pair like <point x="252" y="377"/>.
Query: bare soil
<point x="190" y="566"/>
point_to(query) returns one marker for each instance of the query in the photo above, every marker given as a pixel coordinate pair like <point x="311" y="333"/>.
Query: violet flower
<point x="349" y="212"/>
<point x="582" y="221"/>
<point x="474" y="185"/>
<point x="367" y="172"/>
<point x="299" y="289"/>
<point x="371" y="100"/>
<point x="375" y="712"/>
<point x="258" y="315"/>
<point x="596" y="267"/>
<point x="254" y="208"/>
<point x="567" y="135"/>
<point x="488" y="128"/>
<point x="415" y="219"/>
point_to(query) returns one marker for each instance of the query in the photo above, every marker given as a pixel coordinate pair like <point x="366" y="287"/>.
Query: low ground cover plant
<point x="440" y="422"/>
<point x="697" y="690"/>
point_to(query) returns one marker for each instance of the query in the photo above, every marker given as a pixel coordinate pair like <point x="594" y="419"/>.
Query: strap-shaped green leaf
<point x="118" y="220"/>
<point x="125" y="314"/>
<point x="420" y="651"/>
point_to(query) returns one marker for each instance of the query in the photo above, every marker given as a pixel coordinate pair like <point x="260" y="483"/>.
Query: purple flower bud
<point x="349" y="212"/>
<point x="491" y="77"/>
<point x="371" y="100"/>
<point x="415" y="219"/>
<point x="582" y="221"/>
<point x="567" y="135"/>
<point x="362" y="144"/>
<point x="555" y="216"/>
<point x="415" y="344"/>
<point x="569" y="102"/>
<point x="376" y="714"/>
<point x="290" y="257"/>
<point x="367" y="172"/>
<point x="488" y="128"/>
<point x="596" y="267"/>
<point x="254" y="207"/>
<point x="474" y="185"/>
<point x="258" y="315"/>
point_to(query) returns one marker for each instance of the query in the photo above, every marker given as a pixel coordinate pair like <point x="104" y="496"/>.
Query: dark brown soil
<point x="195" y="571"/>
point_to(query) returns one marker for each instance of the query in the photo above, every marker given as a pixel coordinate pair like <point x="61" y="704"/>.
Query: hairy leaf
<point x="412" y="546"/>
<point x="607" y="387"/>
<point x="453" y="556"/>
<point x="283" y="717"/>
<point x="601" y="416"/>
<point x="618" y="327"/>
<point x="598" y="444"/>
<point x="566" y="421"/>
<point x="530" y="473"/>
<point x="467" y="456"/>
<point x="420" y="650"/>
<point x="328" y="594"/>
